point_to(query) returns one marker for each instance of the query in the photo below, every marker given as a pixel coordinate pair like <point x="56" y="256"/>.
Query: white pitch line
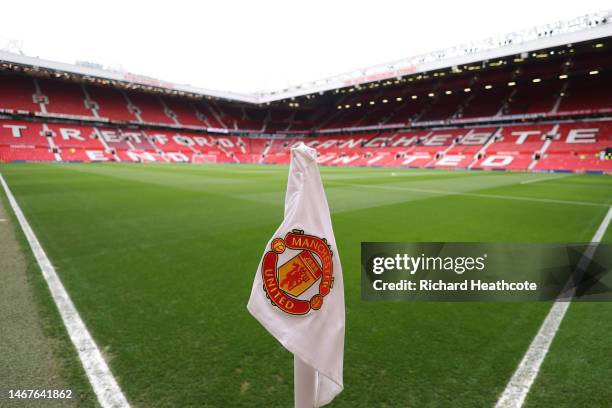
<point x="102" y="381"/>
<point x="519" y="385"/>
<point x="537" y="180"/>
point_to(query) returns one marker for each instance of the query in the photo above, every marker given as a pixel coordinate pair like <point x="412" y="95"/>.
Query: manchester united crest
<point x="290" y="286"/>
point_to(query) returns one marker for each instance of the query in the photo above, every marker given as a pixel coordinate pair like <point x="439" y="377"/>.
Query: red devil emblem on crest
<point x="286" y="285"/>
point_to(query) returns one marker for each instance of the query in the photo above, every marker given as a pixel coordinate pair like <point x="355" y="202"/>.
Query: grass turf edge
<point x="70" y="366"/>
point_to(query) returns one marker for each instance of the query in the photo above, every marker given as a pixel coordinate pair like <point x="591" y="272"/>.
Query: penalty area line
<point x="100" y="377"/>
<point x="519" y="385"/>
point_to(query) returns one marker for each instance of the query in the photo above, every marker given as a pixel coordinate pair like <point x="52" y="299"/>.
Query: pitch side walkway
<point x="27" y="355"/>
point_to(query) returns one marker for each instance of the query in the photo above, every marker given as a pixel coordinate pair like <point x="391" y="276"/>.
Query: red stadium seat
<point x="542" y="112"/>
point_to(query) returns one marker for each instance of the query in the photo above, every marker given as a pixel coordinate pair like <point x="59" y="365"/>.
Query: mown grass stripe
<point x="480" y="195"/>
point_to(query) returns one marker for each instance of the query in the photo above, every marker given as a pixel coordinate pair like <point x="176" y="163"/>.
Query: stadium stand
<point x="185" y="112"/>
<point x="64" y="98"/>
<point x="575" y="146"/>
<point x="550" y="110"/>
<point x="17" y="93"/>
<point x="149" y="108"/>
<point x="111" y="104"/>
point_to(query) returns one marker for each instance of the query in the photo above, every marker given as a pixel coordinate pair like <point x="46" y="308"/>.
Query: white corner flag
<point x="298" y="292"/>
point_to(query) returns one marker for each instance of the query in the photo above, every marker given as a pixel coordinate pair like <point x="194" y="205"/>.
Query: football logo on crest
<point x="288" y="285"/>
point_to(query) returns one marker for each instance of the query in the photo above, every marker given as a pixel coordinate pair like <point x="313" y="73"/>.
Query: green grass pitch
<point x="159" y="261"/>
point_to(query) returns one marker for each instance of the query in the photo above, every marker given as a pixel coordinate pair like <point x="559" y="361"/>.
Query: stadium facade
<point x="535" y="100"/>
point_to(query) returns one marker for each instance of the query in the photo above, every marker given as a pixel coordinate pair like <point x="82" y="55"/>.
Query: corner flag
<point x="298" y="292"/>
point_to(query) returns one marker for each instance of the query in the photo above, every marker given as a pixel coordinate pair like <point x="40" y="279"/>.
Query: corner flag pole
<point x="304" y="384"/>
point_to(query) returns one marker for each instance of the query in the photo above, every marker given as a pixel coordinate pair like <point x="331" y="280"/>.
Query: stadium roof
<point x="584" y="28"/>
